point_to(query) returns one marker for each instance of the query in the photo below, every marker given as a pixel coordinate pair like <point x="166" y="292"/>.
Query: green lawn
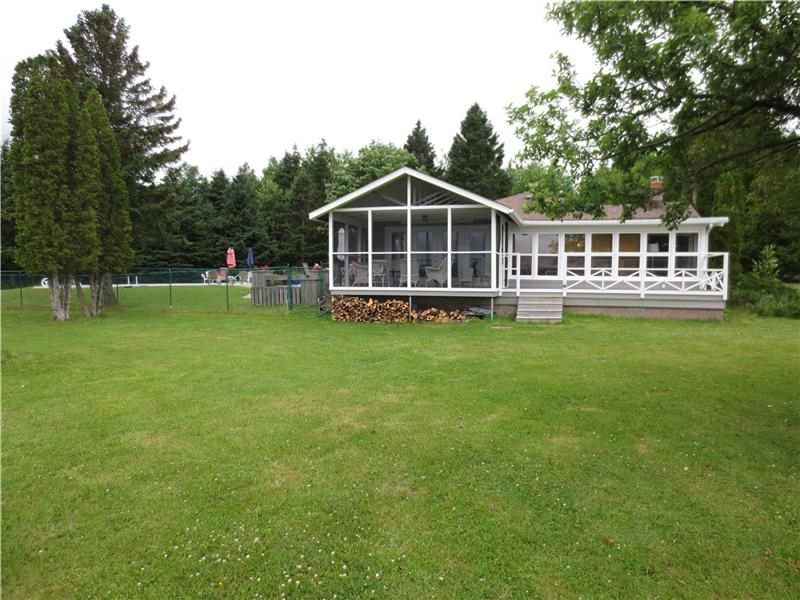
<point x="158" y="453"/>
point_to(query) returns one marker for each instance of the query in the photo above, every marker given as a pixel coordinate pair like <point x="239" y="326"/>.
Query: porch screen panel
<point x="350" y="255"/>
<point x="389" y="239"/>
<point x="428" y="239"/>
<point x="471" y="251"/>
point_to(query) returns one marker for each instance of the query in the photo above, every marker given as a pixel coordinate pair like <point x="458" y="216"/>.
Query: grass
<point x="162" y="452"/>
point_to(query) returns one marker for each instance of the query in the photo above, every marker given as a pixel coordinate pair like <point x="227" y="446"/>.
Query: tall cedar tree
<point x="420" y="146"/>
<point x="56" y="233"/>
<point x="114" y="228"/>
<point x="475" y="160"/>
<point x="141" y="117"/>
<point x="7" y="225"/>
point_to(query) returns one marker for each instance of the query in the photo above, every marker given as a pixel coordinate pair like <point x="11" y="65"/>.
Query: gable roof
<point x="612" y="212"/>
<point x="407" y="171"/>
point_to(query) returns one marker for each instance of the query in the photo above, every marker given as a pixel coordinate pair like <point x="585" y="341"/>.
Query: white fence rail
<point x="702" y="280"/>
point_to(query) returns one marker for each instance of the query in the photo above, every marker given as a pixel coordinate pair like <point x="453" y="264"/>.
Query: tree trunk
<point x="96" y="294"/>
<point x="59" y="296"/>
<point x="81" y="300"/>
<point x="107" y="297"/>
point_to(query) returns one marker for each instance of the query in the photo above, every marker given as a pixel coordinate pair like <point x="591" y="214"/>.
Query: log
<point x="369" y="310"/>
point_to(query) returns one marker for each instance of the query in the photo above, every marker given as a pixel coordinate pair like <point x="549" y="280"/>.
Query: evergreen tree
<point x="141" y="117"/>
<point x="240" y="214"/>
<point x="420" y="146"/>
<point x="216" y="196"/>
<point x="83" y="203"/>
<point x="274" y="205"/>
<point x="196" y="245"/>
<point x="7" y="225"/>
<point x="475" y="160"/>
<point x="114" y="229"/>
<point x="53" y="159"/>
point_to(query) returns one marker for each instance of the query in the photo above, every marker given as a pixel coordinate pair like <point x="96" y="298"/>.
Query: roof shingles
<point x="613" y="212"/>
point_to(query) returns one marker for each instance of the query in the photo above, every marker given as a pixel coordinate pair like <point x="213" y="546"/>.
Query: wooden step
<point x="540" y="306"/>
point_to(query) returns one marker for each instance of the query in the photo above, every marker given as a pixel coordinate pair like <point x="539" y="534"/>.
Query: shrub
<point x="766" y="296"/>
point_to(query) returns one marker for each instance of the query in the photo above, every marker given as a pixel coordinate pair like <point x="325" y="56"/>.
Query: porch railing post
<point x="725" y="276"/>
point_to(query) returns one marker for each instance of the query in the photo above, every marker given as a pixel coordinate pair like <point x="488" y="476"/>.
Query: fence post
<point x="289" y="299"/>
<point x="170" y="287"/>
<point x="117" y="291"/>
<point x="227" y="294"/>
<point x="20" y="290"/>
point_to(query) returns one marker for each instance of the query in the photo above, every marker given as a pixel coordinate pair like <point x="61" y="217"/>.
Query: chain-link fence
<point x="210" y="290"/>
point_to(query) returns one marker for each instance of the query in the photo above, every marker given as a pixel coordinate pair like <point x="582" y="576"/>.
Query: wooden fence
<point x="271" y="289"/>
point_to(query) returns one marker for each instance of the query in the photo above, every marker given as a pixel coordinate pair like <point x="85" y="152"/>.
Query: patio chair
<point x="361" y="274"/>
<point x="403" y="270"/>
<point x="245" y="277"/>
<point x="437" y="273"/>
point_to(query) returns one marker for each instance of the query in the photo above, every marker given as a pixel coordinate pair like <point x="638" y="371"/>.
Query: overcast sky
<point x="254" y="78"/>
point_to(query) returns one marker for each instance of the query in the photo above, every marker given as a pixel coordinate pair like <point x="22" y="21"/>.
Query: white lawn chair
<point x="437" y="273"/>
<point x="362" y="274"/>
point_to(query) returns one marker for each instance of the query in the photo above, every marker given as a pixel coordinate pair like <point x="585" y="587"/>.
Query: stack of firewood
<point x="369" y="310"/>
<point x="438" y="315"/>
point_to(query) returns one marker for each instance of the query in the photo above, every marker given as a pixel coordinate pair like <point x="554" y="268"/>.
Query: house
<point x="413" y="236"/>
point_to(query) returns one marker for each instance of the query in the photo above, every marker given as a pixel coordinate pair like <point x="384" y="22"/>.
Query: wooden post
<point x="170" y="287"/>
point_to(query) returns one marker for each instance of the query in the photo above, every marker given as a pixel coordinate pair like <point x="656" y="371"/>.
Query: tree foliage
<point x="372" y="162"/>
<point x="141" y="116"/>
<point x="686" y="90"/>
<point x="420" y="146"/>
<point x="475" y="160"/>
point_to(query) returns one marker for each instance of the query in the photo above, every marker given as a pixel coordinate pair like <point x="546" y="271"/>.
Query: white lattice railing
<point x="702" y="280"/>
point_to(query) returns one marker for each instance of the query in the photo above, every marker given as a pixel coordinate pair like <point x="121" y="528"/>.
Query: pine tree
<point x="141" y="117"/>
<point x="420" y="146"/>
<point x="475" y="160"/>
<point x="240" y="214"/>
<point x="275" y="207"/>
<point x="216" y="196"/>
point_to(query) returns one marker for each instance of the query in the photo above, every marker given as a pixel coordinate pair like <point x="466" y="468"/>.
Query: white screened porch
<point x="415" y="233"/>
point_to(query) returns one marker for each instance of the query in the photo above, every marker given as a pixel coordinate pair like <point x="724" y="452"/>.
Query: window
<point x="686" y="245"/>
<point x="523" y="244"/>
<point x="575" y="249"/>
<point x="629" y="242"/>
<point x="600" y="262"/>
<point x="575" y="242"/>
<point x="657" y="242"/>
<point x="629" y="258"/>
<point x="602" y="242"/>
<point x="657" y="262"/>
<point x="547" y="255"/>
<point x="575" y="265"/>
